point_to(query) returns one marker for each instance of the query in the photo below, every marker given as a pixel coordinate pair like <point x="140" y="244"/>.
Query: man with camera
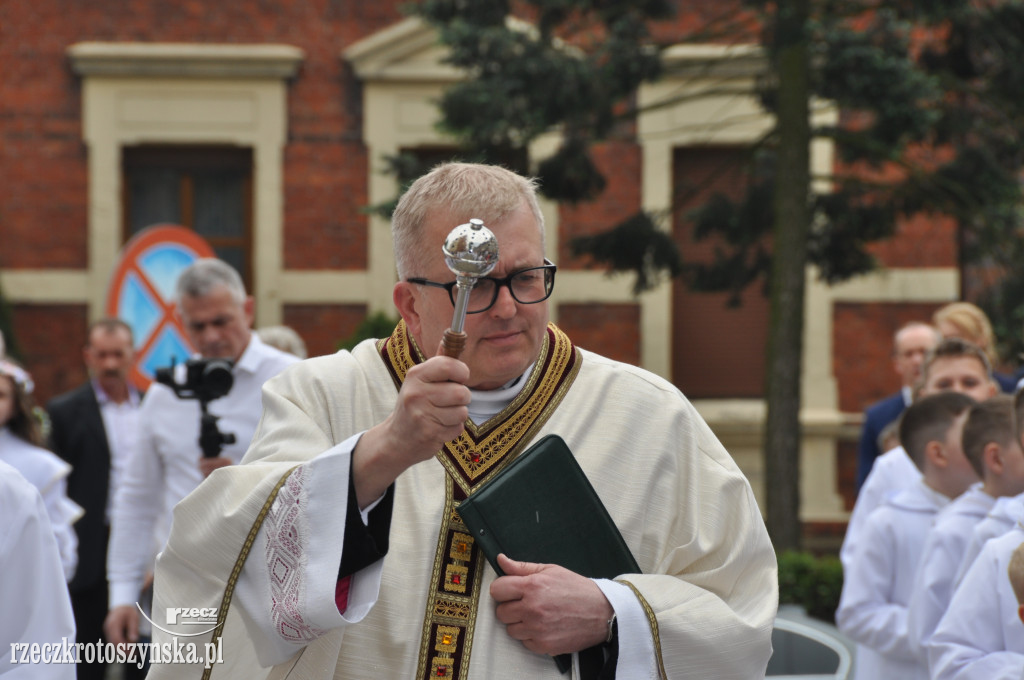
<point x="187" y="428"/>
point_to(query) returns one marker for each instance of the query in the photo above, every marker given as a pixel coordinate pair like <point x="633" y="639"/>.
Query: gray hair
<point x="461" y="191"/>
<point x="911" y="325"/>
<point x="202" y="276"/>
<point x="283" y="338"/>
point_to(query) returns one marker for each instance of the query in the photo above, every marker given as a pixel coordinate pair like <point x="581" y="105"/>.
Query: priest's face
<point x="502" y="341"/>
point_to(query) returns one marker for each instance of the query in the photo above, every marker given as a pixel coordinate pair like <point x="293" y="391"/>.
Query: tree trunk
<point x="792" y="216"/>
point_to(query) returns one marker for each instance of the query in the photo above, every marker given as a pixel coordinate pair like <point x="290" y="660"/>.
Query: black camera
<point x="205" y="380"/>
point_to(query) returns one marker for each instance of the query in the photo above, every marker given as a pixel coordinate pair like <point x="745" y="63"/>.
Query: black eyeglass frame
<point x="505" y="282"/>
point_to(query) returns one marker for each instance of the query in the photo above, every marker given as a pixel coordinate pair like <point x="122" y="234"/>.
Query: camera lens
<point x="217" y="378"/>
<point x="165" y="375"/>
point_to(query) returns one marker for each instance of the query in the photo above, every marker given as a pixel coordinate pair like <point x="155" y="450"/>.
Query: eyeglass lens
<point x="528" y="286"/>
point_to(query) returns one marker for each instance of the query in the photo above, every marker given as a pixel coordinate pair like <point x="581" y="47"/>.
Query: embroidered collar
<point x="481" y="450"/>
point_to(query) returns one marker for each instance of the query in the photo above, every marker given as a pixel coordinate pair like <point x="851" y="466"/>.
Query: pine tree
<point x="931" y="122"/>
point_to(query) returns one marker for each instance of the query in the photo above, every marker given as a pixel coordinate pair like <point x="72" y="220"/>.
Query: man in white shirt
<point x="168" y="462"/>
<point x="94" y="428"/>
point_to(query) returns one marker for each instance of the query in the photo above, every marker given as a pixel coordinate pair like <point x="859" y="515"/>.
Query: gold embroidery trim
<point x="475" y="456"/>
<point x="451" y="610"/>
<point x="480" y="451"/>
<point x="236" y="571"/>
<point x="652" y="619"/>
<point x="462" y="547"/>
<point x="455" y="577"/>
<point x="479" y="460"/>
<point x="451" y="607"/>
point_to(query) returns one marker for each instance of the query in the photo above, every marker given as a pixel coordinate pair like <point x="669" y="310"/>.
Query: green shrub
<point x="814" y="583"/>
<point x="376" y="325"/>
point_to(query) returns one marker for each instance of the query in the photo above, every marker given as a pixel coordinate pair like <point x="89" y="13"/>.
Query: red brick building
<point x="263" y="126"/>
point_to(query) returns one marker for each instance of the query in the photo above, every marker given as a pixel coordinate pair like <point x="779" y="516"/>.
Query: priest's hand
<point x="550" y="609"/>
<point x="431" y="409"/>
<point x="122" y="624"/>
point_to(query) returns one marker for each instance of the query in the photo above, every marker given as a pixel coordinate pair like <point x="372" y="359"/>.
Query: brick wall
<point x="42" y="157"/>
<point x="325" y="193"/>
<point x="862" y="348"/>
<point x="621" y="164"/>
<point x="51" y="338"/>
<point x="322" y="327"/>
<point x="922" y="241"/>
<point x="612" y="330"/>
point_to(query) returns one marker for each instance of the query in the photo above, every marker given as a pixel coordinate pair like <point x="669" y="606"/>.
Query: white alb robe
<point x="892" y="472"/>
<point x="1003" y="516"/>
<point x="981" y="636"/>
<point x="933" y="585"/>
<point x="48" y="473"/>
<point x="36" y="604"/>
<point x="682" y="505"/>
<point x="877" y="586"/>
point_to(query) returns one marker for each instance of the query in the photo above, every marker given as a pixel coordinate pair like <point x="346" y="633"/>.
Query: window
<point x="207" y="189"/>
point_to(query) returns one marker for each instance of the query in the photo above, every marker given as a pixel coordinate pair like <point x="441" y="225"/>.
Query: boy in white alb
<point x="1001" y="518"/>
<point x="876" y="591"/>
<point x="990" y="445"/>
<point x="981" y="637"/>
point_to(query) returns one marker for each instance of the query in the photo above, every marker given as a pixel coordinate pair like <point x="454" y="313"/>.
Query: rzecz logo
<point x="186" y="616"/>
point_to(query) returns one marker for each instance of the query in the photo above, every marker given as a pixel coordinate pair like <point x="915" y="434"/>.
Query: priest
<point x="336" y="549"/>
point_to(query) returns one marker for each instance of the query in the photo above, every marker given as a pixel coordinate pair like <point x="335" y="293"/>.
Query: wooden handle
<point x="453" y="343"/>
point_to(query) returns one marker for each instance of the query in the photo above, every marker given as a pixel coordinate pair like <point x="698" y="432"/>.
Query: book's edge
<point x="476" y="522"/>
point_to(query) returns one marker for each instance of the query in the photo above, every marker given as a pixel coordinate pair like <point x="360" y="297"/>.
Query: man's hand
<point x="431" y="410"/>
<point x="550" y="609"/>
<point x="122" y="624"/>
<point x="208" y="465"/>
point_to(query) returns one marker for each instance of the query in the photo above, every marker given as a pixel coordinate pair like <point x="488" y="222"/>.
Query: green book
<point x="542" y="508"/>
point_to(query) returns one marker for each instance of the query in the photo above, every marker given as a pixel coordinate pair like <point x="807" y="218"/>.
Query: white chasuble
<point x="262" y="541"/>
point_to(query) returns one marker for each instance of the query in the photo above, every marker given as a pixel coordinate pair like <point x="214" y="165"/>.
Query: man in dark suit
<point x="94" y="429"/>
<point x="911" y="345"/>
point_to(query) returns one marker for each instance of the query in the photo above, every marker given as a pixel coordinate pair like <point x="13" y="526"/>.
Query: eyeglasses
<point x="527" y="286"/>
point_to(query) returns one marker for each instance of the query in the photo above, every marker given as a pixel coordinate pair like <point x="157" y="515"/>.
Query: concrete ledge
<point x="184" y="60"/>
